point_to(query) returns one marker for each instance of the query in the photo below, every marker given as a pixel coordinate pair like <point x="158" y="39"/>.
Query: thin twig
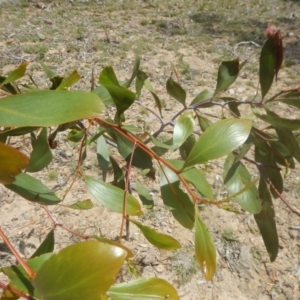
<point x="31" y="273"/>
<point x="15" y="292"/>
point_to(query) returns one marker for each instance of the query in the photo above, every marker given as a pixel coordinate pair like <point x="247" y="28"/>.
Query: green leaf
<point x="122" y="97"/>
<point x="47" y="71"/>
<point x="144" y="196"/>
<point x="82" y="271"/>
<point x="236" y="178"/>
<point x="183" y="128"/>
<point x="104" y="95"/>
<point x="102" y="154"/>
<point x="119" y="175"/>
<point x="204" y="248"/>
<point x="18" y="131"/>
<point x="113" y="243"/>
<point x="218" y="140"/>
<point x="16" y="74"/>
<point x="112" y="197"/>
<point x="69" y="81"/>
<point x="12" y="162"/>
<point x="227" y="74"/>
<point x="175" y="199"/>
<point x="159" y="240"/>
<point x="204" y="123"/>
<point x="19" y="278"/>
<point x="139" y="83"/>
<point x="267" y="64"/>
<point x="82" y="205"/>
<point x="9" y="88"/>
<point x="203" y="96"/>
<point x="136" y="69"/>
<point x="176" y="91"/>
<point x="276" y="121"/>
<point x="48" y="108"/>
<point x="33" y="190"/>
<point x="148" y="86"/>
<point x="198" y="180"/>
<point x="41" y="155"/>
<point x="75" y="135"/>
<point x="265" y="221"/>
<point x="46" y="246"/>
<point x="187" y="146"/>
<point x="143" y="289"/>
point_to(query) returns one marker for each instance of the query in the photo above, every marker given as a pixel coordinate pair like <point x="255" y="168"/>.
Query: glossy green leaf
<point x="175" y="90"/>
<point x="139" y="83"/>
<point x="144" y="196"/>
<point x="177" y="201"/>
<point x="19" y="278"/>
<point x="265" y="221"/>
<point x="75" y="135"/>
<point x="82" y="271"/>
<point x="46" y="246"/>
<point x="236" y="178"/>
<point x="69" y="81"/>
<point x="202" y="97"/>
<point x="204" y="123"/>
<point x="187" y="146"/>
<point x="41" y="155"/>
<point x="113" y="243"/>
<point x="183" y="128"/>
<point x="198" y="180"/>
<point x="159" y="240"/>
<point x="112" y="197"/>
<point x="33" y="190"/>
<point x="102" y="154"/>
<point x="148" y="86"/>
<point x="204" y="248"/>
<point x="269" y="169"/>
<point x="16" y="74"/>
<point x="227" y="74"/>
<point x="48" y="108"/>
<point x="289" y="124"/>
<point x="12" y="162"/>
<point x="122" y="97"/>
<point x="82" y="205"/>
<point x="104" y="95"/>
<point x="143" y="289"/>
<point x="136" y="69"/>
<point x="267" y="64"/>
<point x="218" y="140"/>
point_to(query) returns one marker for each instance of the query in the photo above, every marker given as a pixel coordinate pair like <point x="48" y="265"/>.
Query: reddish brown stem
<point x="15" y="292"/>
<point x="31" y="273"/>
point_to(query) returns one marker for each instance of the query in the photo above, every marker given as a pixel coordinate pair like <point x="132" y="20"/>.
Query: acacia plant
<point x="87" y="270"/>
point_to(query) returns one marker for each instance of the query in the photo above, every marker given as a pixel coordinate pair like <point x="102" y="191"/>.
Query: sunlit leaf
<point x="159" y="240"/>
<point x="48" y="108"/>
<point x="41" y="154"/>
<point x="47" y="71"/>
<point x="122" y="97"/>
<point x="143" y="289"/>
<point x="202" y="97"/>
<point x="102" y="153"/>
<point x="266" y="221"/>
<point x="218" y="140"/>
<point x="75" y="135"/>
<point x="33" y="190"/>
<point x="176" y="91"/>
<point x="19" y="278"/>
<point x="69" y="81"/>
<point x="227" y="74"/>
<point x="135" y="70"/>
<point x="46" y="246"/>
<point x="104" y="95"/>
<point x="144" y="196"/>
<point x="82" y="205"/>
<point x="12" y="162"/>
<point x="204" y="248"/>
<point x="183" y="128"/>
<point x="236" y="178"/>
<point x="148" y="86"/>
<point x="139" y="83"/>
<point x="112" y="197"/>
<point x="177" y="201"/>
<point x="16" y="74"/>
<point x="81" y="271"/>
